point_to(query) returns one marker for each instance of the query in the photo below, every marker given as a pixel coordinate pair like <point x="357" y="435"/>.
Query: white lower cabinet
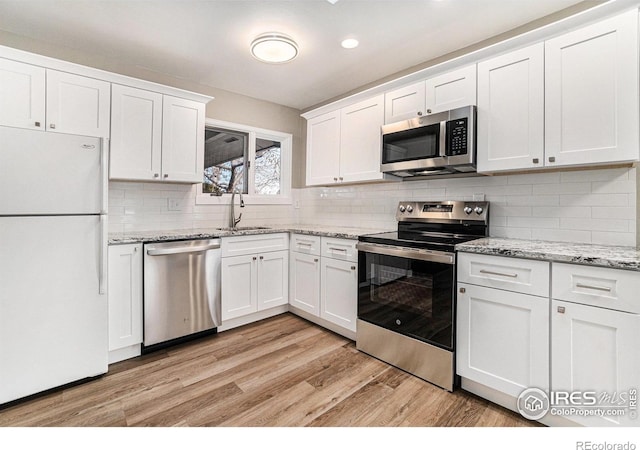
<point x="125" y="301"/>
<point x="304" y="282"/>
<point x="254" y="281"/>
<point x="579" y="342"/>
<point x="323" y="285"/>
<point x="596" y="350"/>
<point x="503" y="338"/>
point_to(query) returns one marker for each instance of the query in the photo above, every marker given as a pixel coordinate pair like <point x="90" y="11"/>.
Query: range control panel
<point x="447" y="210"/>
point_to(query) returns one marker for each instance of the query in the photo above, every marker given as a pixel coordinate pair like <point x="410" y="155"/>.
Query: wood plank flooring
<point x="282" y="371"/>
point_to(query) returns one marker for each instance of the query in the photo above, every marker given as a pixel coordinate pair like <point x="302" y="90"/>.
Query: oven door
<point x="408" y="291"/>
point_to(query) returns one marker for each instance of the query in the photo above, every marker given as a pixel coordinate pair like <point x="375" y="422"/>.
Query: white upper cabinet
<point x="344" y="145"/>
<point x="136" y="134"/>
<point x="77" y="104"/>
<point x="451" y="90"/>
<point x="360" y="140"/>
<point x="323" y="148"/>
<point x="22" y="95"/>
<point x="182" y="140"/>
<point x="591" y="94"/>
<point x="511" y="110"/>
<point x="404" y="103"/>
<point x="156" y="137"/>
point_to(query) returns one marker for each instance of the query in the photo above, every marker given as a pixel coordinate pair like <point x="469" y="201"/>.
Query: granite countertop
<point x="209" y="233"/>
<point x="590" y="254"/>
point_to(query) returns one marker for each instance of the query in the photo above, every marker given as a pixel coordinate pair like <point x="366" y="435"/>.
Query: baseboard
<point x="124" y="353"/>
<point x="323" y="323"/>
<point x="245" y="320"/>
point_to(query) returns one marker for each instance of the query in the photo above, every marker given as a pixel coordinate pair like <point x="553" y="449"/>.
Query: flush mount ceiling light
<point x="274" y="48"/>
<point x="350" y="43"/>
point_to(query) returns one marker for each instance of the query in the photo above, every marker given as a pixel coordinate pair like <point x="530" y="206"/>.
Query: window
<point x="245" y="159"/>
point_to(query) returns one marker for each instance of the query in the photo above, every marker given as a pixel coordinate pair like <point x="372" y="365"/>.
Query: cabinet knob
<point x="262" y="257"/>
<point x="353" y="267"/>
<point x="536" y="160"/>
<point x="335" y="179"/>
<point x="561" y="309"/>
<point x="52" y="126"/>
<point x="552" y="159"/>
<point x="428" y="111"/>
<point x="156" y="175"/>
<point x="341" y="178"/>
<point x="254" y="258"/>
<point x="135" y="249"/>
<point x="419" y="113"/>
<point x="37" y="124"/>
<point x="166" y="175"/>
<point x="315" y="259"/>
<point x="463" y="290"/>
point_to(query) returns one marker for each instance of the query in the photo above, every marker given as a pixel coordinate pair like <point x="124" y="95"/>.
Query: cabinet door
<point x="323" y="149"/>
<point x="182" y="140"/>
<point x="594" y="349"/>
<point x="125" y="295"/>
<point x="339" y="292"/>
<point x="502" y="339"/>
<point x="511" y="110"/>
<point x="239" y="279"/>
<point x="404" y="103"/>
<point x="304" y="282"/>
<point x="360" y="140"/>
<point x="451" y="90"/>
<point x="591" y="93"/>
<point x="136" y="134"/>
<point x="22" y="97"/>
<point x="77" y="104"/>
<point x="273" y="279"/>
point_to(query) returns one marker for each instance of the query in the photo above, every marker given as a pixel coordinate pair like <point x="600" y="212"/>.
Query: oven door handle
<point x="409" y="253"/>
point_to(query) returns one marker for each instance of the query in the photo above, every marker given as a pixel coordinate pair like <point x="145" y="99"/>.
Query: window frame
<point x="285" y="139"/>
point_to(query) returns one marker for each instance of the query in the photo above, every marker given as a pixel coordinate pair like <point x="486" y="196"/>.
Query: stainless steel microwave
<point x="441" y="144"/>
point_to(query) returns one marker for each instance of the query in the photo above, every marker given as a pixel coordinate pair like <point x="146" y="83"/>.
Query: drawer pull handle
<point x="561" y="309"/>
<point x="463" y="290"/>
<point x="489" y="272"/>
<point x="595" y="288"/>
<point x="305" y="244"/>
<point x="338" y="249"/>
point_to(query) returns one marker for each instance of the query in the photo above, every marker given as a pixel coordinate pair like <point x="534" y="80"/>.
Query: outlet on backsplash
<point x="478" y="197"/>
<point x="174" y="204"/>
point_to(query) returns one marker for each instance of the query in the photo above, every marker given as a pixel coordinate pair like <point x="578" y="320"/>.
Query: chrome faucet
<point x="232" y="217"/>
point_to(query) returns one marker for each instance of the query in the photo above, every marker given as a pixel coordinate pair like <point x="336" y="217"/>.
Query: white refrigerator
<point x="53" y="260"/>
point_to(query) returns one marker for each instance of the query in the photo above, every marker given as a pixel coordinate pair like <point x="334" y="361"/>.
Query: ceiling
<point x="208" y="41"/>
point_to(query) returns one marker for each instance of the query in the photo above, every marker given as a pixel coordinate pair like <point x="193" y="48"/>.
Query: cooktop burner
<point x="435" y="225"/>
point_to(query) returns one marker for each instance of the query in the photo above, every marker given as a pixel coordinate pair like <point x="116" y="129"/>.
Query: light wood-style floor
<point x="282" y="371"/>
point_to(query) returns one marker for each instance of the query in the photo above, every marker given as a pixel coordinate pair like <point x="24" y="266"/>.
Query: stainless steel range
<point x="406" y="287"/>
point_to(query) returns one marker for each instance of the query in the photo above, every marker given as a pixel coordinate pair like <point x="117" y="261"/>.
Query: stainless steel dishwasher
<point x="181" y="289"/>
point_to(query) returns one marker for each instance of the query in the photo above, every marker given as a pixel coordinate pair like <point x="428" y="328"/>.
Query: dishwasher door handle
<point x="176" y="250"/>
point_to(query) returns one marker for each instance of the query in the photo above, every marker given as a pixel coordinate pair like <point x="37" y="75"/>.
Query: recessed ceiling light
<point x="333" y="2"/>
<point x="274" y="48"/>
<point x="350" y="43"/>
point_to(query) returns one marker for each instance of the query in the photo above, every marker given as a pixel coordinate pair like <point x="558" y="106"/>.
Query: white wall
<point x="595" y="206"/>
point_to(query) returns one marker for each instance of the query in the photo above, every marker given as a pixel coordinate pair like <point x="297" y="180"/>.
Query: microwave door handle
<point x="443" y="139"/>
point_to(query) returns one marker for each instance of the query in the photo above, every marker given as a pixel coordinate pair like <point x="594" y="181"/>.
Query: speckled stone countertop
<point x="209" y="233"/>
<point x="590" y="254"/>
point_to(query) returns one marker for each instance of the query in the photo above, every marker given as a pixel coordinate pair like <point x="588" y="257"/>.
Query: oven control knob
<point x="467" y="210"/>
<point x="478" y="210"/>
<point x="409" y="208"/>
<point x="401" y="208"/>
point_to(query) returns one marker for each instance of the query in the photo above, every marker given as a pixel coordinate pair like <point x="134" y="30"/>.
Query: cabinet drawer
<point x="336" y="248"/>
<point x="257" y="243"/>
<point x="305" y="243"/>
<point x="597" y="286"/>
<point x="501" y="272"/>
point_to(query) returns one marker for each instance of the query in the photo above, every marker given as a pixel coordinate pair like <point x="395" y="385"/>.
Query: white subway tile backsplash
<point x="597" y="206"/>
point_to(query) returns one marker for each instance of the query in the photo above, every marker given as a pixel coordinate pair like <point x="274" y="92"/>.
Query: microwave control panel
<point x="457" y="137"/>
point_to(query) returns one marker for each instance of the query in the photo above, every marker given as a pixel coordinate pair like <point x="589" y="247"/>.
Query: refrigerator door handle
<point x="104" y="253"/>
<point x="105" y="173"/>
